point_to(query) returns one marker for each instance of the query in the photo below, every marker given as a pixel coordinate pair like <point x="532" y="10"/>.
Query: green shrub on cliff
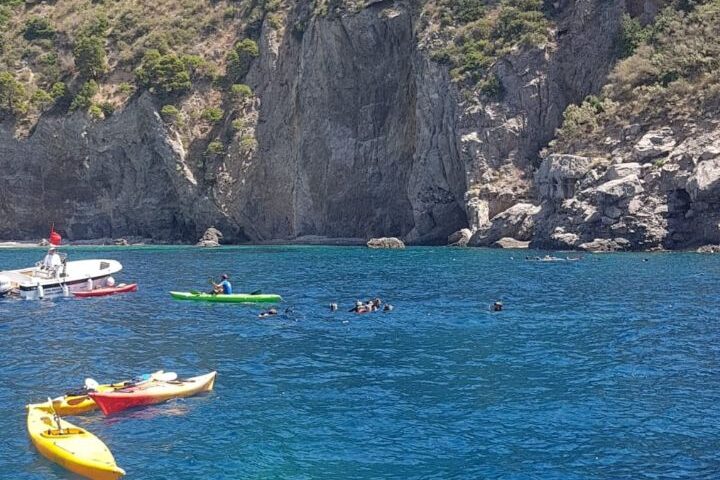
<point x="96" y="27"/>
<point x="90" y="57"/>
<point x="584" y="119"/>
<point x="58" y="90"/>
<point x="248" y="143"/>
<point x="240" y="58"/>
<point x="83" y="99"/>
<point x="632" y="35"/>
<point x="491" y="87"/>
<point x="95" y="112"/>
<point x="5" y="15"/>
<point x="163" y="74"/>
<point x="484" y="32"/>
<point x="172" y="115"/>
<point x="520" y="22"/>
<point x="466" y="11"/>
<point x="239" y="124"/>
<point x="13" y="96"/>
<point x="212" y="114"/>
<point x="672" y="77"/>
<point x="169" y="113"/>
<point x="240" y="91"/>
<point x="215" y="148"/>
<point x="76" y="41"/>
<point x="41" y="99"/>
<point x="37" y="28"/>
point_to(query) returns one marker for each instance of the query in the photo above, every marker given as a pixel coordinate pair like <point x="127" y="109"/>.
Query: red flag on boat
<point x="55" y="237"/>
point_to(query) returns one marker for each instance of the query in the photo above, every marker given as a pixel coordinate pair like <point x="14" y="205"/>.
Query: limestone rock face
<point x="565" y="240"/>
<point x="359" y="134"/>
<point x="385" y="242"/>
<point x="705" y="181"/>
<point x="507" y="242"/>
<point x="460" y="238"/>
<point x="558" y="175"/>
<point x="516" y="222"/>
<point x="654" y="144"/>
<point x="604" y="245"/>
<point x="356" y="136"/>
<point x="672" y="203"/>
<point x="622" y="170"/>
<point x="620" y="189"/>
<point x="478" y="212"/>
<point x="119" y="177"/>
<point x="211" y="238"/>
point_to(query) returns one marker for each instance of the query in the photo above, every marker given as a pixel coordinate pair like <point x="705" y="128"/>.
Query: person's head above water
<point x="224" y="276"/>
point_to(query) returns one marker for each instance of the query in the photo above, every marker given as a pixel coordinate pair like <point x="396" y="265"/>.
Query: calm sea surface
<point x="607" y="368"/>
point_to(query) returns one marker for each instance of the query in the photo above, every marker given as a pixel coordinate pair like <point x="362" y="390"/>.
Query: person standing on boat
<point x="52" y="260"/>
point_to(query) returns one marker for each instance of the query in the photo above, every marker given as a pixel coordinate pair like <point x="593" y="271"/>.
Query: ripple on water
<point x="604" y="368"/>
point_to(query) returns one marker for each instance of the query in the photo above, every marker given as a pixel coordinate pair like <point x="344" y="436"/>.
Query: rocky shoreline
<point x="504" y="243"/>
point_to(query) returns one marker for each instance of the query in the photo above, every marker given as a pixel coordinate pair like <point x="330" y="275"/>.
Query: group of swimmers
<point x="369" y="306"/>
<point x="550" y="258"/>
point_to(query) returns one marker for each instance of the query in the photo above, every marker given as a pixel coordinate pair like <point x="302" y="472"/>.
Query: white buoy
<point x="66" y="290"/>
<point x="41" y="291"/>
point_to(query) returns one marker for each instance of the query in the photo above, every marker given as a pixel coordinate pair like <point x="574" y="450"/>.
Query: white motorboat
<point x="39" y="282"/>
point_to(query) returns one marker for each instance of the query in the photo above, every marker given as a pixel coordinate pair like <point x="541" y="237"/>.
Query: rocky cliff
<point x="354" y="129"/>
<point x="635" y="168"/>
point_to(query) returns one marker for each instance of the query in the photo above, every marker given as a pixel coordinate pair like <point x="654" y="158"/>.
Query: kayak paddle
<point x="91" y="384"/>
<point x="55" y="416"/>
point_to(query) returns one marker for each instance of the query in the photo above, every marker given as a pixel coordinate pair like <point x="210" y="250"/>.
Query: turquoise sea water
<point x="607" y="368"/>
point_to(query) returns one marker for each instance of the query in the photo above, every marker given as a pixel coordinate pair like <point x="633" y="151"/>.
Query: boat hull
<point x="34" y="283"/>
<point x="232" y="298"/>
<point x="103" y="292"/>
<point x="151" y="393"/>
<point x="71" y="447"/>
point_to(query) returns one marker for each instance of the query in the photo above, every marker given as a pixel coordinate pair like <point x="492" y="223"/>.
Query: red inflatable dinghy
<point x="101" y="292"/>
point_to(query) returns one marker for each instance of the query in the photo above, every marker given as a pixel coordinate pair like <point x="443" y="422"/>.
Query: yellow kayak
<point x="69" y="446"/>
<point x="81" y="403"/>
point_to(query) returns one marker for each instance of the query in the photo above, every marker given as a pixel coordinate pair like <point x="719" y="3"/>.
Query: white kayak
<point x="35" y="282"/>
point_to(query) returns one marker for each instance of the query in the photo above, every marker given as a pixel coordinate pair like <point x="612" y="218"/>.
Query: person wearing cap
<point x="224" y="287"/>
<point x="52" y="260"/>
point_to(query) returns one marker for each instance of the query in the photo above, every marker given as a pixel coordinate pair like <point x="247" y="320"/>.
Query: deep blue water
<point x="608" y="368"/>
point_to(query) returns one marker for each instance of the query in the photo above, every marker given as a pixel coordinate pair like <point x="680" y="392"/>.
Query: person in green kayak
<point x="224" y="287"/>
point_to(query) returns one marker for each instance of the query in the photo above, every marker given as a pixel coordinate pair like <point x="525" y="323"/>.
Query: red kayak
<point x="152" y="392"/>
<point x="101" y="292"/>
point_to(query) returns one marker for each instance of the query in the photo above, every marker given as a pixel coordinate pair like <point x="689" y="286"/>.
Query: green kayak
<point x="232" y="298"/>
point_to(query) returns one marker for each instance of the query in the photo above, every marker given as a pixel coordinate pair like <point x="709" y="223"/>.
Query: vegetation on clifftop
<point x="671" y="75"/>
<point x="92" y="55"/>
<point x="53" y="52"/>
<point x="470" y="35"/>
